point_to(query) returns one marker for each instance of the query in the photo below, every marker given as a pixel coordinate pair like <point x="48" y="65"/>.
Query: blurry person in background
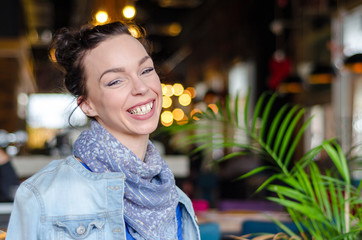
<point x="9" y="181"/>
<point x="116" y="184"/>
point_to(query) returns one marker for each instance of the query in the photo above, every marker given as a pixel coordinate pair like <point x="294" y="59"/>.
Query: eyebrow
<point x="121" y="69"/>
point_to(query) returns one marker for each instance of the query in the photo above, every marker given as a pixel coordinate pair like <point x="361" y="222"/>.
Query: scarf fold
<point x="150" y="197"/>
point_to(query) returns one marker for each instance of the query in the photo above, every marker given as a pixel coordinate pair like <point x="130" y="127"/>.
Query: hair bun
<point x="66" y="45"/>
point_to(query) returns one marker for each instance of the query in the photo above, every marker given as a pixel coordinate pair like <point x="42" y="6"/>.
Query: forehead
<point x="117" y="51"/>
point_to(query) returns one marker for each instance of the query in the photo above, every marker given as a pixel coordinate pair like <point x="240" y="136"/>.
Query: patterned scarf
<point x="150" y="197"/>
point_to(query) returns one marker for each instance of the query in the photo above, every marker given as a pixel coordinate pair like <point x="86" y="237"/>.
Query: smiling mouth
<point x="141" y="110"/>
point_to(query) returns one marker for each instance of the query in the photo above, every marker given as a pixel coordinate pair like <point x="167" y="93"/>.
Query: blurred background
<point x="309" y="51"/>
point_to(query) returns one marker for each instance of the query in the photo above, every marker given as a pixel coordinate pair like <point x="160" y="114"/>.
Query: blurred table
<point x="230" y="222"/>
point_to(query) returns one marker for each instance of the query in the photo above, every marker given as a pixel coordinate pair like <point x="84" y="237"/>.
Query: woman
<point x="116" y="186"/>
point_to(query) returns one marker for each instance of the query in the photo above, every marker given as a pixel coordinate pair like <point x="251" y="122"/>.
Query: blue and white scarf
<point x="150" y="197"/>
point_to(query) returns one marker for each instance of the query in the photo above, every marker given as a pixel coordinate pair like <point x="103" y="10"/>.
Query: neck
<point x="138" y="145"/>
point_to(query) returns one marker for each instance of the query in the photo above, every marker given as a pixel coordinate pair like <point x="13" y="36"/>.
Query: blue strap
<point x="179" y="227"/>
<point x="85" y="166"/>
<point x="128" y="235"/>
<point x="178" y="216"/>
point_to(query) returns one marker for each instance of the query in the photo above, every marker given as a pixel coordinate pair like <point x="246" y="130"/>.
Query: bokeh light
<point x="167" y="102"/>
<point x="101" y="17"/>
<point x="192" y="91"/>
<point x="52" y="55"/>
<point x="184" y="99"/>
<point x="178" y="114"/>
<point x="129" y="12"/>
<point x="174" y="29"/>
<point x="193" y="112"/>
<point x="167" y="90"/>
<point x="183" y="121"/>
<point x="166" y="118"/>
<point x="134" y="32"/>
<point x="188" y="93"/>
<point x="178" y="89"/>
<point x="213" y="107"/>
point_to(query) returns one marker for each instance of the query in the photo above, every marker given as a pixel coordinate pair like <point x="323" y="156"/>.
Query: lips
<point x="142" y="109"/>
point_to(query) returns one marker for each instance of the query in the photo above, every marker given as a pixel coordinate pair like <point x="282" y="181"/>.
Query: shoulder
<point x="48" y="177"/>
<point x="52" y="170"/>
<point x="185" y="200"/>
<point x="68" y="185"/>
<point x="66" y="171"/>
<point x="188" y="217"/>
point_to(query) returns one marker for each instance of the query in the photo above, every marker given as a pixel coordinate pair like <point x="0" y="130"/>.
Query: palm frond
<point x="325" y="205"/>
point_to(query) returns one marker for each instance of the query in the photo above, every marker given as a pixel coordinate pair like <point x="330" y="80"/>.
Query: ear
<point x="86" y="107"/>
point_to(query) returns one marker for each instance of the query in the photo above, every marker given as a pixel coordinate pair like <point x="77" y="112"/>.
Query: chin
<point x="147" y="130"/>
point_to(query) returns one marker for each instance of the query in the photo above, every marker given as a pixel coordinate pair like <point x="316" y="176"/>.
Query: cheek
<point x="115" y="100"/>
<point x="156" y="85"/>
<point x="110" y="102"/>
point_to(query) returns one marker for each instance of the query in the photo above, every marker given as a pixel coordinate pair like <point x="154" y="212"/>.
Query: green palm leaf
<point x="266" y="114"/>
<point x="318" y="201"/>
<point x="258" y="109"/>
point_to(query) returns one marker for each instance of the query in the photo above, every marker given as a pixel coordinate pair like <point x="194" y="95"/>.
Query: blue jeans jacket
<point x="66" y="201"/>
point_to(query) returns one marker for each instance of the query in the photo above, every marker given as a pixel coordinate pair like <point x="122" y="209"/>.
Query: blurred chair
<point x="210" y="231"/>
<point x="200" y="205"/>
<point x="254" y="226"/>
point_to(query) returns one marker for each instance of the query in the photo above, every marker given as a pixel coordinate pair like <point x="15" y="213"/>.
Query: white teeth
<point x="142" y="109"/>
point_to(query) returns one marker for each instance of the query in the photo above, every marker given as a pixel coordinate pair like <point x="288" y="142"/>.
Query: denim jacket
<point x="66" y="201"/>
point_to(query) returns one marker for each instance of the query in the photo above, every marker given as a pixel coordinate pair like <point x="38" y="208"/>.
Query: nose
<point x="139" y="87"/>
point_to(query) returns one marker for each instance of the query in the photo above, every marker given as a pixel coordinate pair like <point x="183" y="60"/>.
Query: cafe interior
<point x="308" y="52"/>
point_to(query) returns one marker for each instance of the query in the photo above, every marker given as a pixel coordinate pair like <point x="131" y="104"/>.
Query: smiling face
<point x="124" y="90"/>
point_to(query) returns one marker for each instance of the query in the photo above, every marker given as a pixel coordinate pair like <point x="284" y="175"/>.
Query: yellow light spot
<point x="101" y="17"/>
<point x="37" y="137"/>
<point x="166" y="124"/>
<point x="129" y="12"/>
<point x="167" y="90"/>
<point x="166" y="118"/>
<point x="52" y="55"/>
<point x="134" y="32"/>
<point x="174" y="29"/>
<point x="164" y="89"/>
<point x="178" y="114"/>
<point x="213" y="107"/>
<point x="183" y="121"/>
<point x="193" y="112"/>
<point x="192" y="91"/>
<point x="184" y="99"/>
<point x="178" y="89"/>
<point x="188" y="92"/>
<point x="167" y="102"/>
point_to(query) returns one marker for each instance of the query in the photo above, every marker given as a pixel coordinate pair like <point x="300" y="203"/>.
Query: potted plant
<point x="322" y="203"/>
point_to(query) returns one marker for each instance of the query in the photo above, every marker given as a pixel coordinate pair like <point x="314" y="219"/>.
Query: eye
<point x="147" y="70"/>
<point x="114" y="82"/>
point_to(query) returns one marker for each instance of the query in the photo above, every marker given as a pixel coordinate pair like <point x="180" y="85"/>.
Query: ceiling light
<point x="129" y="12"/>
<point x="101" y="17"/>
